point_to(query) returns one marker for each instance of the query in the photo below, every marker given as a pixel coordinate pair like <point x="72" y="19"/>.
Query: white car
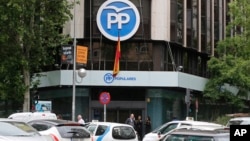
<point x="198" y="135"/>
<point x="161" y="131"/>
<point x="27" y="116"/>
<point x="109" y="131"/>
<point x="61" y="130"/>
<point x="239" y="121"/>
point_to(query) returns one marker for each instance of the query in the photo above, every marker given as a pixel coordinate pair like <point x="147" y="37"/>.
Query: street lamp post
<point x="81" y="72"/>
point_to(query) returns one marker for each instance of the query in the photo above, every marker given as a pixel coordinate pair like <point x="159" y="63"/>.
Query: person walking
<point x="147" y="125"/>
<point x="80" y="120"/>
<point x="138" y="127"/>
<point x="131" y="120"/>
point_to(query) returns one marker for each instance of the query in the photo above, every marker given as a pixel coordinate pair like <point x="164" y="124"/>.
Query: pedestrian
<point x="131" y="120"/>
<point x="147" y="125"/>
<point x="138" y="127"/>
<point x="80" y="119"/>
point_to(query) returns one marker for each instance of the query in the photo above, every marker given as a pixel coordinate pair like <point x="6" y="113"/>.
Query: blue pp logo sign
<point x="118" y="16"/>
<point x="108" y="78"/>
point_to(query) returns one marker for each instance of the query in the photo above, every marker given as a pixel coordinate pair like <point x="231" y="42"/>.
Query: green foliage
<point x="30" y="34"/>
<point x="230" y="77"/>
<point x="222" y="120"/>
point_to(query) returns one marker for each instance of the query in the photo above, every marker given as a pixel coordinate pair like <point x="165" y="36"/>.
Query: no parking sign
<point x="104" y="98"/>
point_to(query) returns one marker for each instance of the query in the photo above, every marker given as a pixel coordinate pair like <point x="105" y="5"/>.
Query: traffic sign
<point x="104" y="98"/>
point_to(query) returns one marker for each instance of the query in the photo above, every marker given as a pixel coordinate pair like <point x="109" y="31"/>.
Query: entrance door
<point x="116" y="115"/>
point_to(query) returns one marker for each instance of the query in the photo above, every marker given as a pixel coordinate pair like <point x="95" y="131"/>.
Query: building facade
<point x="167" y="55"/>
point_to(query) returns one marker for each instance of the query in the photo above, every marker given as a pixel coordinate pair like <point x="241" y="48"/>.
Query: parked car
<point x="109" y="131"/>
<point x="61" y="130"/>
<point x="164" y="129"/>
<point x="239" y="121"/>
<point x="12" y="130"/>
<point x="27" y="116"/>
<point x="197" y="135"/>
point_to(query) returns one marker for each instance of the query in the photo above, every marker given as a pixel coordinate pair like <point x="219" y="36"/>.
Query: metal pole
<point x="196" y="112"/>
<point x="104" y="113"/>
<point x="187" y="109"/>
<point x="74" y="69"/>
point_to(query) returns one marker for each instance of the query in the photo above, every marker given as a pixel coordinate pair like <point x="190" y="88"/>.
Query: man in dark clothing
<point x="138" y="127"/>
<point x="147" y="125"/>
<point x="131" y="120"/>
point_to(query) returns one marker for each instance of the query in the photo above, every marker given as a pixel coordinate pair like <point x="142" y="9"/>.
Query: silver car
<point x="12" y="130"/>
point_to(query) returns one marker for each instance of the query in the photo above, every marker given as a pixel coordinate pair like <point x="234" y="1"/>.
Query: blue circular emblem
<point x="118" y="17"/>
<point x="108" y="78"/>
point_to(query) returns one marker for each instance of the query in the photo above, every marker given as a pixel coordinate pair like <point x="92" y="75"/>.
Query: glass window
<point x="168" y="128"/>
<point x="188" y="138"/>
<point x="91" y="128"/>
<point x="180" y="21"/>
<point x="40" y="127"/>
<point x="123" y="132"/>
<point x="16" y="129"/>
<point x="100" y="130"/>
<point x="75" y="131"/>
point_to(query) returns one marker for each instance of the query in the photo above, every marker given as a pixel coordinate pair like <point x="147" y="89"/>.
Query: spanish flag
<point x="116" y="68"/>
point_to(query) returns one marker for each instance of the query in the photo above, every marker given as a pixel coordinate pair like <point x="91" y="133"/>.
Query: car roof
<point x="27" y="116"/>
<point x="9" y="120"/>
<point x="240" y="118"/>
<point x="54" y="121"/>
<point x="109" y="123"/>
<point x="201" y="132"/>
<point x="193" y="123"/>
<point x="190" y="122"/>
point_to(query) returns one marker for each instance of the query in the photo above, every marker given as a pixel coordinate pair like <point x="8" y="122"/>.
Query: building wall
<point x="160" y="20"/>
<point x="172" y="33"/>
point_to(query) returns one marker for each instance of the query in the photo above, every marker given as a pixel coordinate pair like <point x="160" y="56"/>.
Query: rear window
<point x="73" y="132"/>
<point x="234" y="122"/>
<point x="123" y="132"/>
<point x="196" y="138"/>
<point x="17" y="129"/>
<point x="41" y="127"/>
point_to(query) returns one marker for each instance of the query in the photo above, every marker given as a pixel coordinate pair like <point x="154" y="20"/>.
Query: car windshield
<point x="196" y="138"/>
<point x="165" y="128"/>
<point x="16" y="129"/>
<point x="235" y="122"/>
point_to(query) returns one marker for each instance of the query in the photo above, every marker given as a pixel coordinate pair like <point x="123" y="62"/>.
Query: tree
<point x="229" y="69"/>
<point x="30" y="33"/>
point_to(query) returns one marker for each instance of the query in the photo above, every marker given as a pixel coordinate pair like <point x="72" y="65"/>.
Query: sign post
<point x="104" y="99"/>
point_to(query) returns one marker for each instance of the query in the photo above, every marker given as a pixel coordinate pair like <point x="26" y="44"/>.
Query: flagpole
<point x="116" y="68"/>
